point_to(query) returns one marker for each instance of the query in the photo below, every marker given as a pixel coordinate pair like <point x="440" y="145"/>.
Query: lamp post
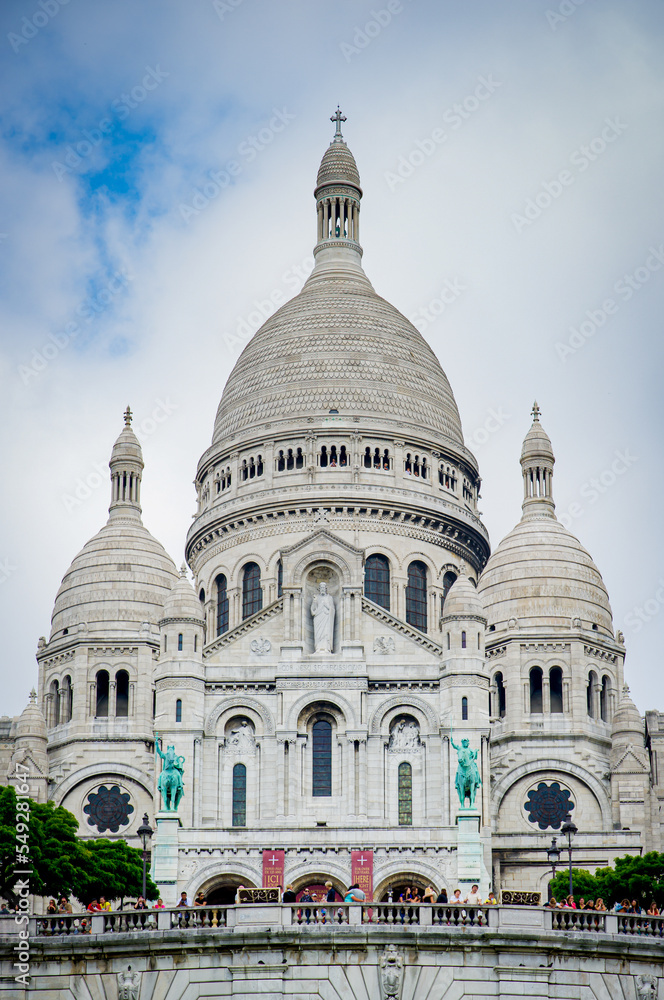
<point x="145" y="832"/>
<point x="570" y="829"/>
<point x="553" y="857"/>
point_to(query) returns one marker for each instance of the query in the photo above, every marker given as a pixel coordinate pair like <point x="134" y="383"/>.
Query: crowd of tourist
<point x="569" y="903"/>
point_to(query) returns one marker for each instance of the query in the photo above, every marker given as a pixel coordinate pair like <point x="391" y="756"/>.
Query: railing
<point x="322" y="914"/>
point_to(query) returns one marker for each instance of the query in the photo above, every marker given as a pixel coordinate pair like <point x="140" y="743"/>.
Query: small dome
<point x="31" y="723"/>
<point x="537" y="443"/>
<point x="463" y="599"/>
<point x="127" y="448"/>
<point x="542" y="576"/>
<point x="338" y="166"/>
<point x="627" y="726"/>
<point x="182" y="602"/>
<point x="119" y="580"/>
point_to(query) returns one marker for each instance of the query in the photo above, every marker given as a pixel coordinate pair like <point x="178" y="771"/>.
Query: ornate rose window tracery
<point x="108" y="808"/>
<point x="548" y="805"/>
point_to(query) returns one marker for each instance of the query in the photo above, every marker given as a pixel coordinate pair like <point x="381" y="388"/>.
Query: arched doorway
<point x="221" y="890"/>
<point x="315" y="883"/>
<point x="393" y="887"/>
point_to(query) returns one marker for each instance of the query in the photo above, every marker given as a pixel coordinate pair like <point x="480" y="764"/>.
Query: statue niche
<point x="321" y="607"/>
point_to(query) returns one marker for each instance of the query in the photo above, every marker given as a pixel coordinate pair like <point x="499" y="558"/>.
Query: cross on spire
<point x="338" y="118"/>
<point x="536" y="411"/>
<point x="127" y="417"/>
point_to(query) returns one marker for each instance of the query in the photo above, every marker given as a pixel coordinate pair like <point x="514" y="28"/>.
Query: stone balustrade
<point x="491" y="918"/>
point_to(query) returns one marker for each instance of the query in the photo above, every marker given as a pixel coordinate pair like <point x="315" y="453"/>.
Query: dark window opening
<point x="590" y="693"/>
<point x="252" y="595"/>
<point x="556" y="690"/>
<point x="178" y="710"/>
<point x="535" y="691"/>
<point x="281" y="462"/>
<point x="239" y="795"/>
<point x="222" y="604"/>
<point x="416" y="596"/>
<point x="464" y="709"/>
<point x="299" y="459"/>
<point x="280" y="578"/>
<point x="122" y="694"/>
<point x="322" y="758"/>
<point x="323" y="457"/>
<point x="500" y="690"/>
<point x="463" y="640"/>
<point x="604" y="699"/>
<point x="405" y="794"/>
<point x="377" y="580"/>
<point x="180" y="642"/>
<point x="101" y="709"/>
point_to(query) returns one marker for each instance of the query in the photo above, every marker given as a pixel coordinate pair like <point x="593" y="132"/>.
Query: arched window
<point x="416" y="596"/>
<point x="179" y="642"/>
<point x="178" y="710"/>
<point x="55" y="703"/>
<point x="535" y="691"/>
<point x="377" y="580"/>
<point x="322" y="758"/>
<point x="239" y="795"/>
<point x="448" y="580"/>
<point x="280" y="578"/>
<point x="405" y="794"/>
<point x="101" y="707"/>
<point x="122" y="694"/>
<point x="299" y="459"/>
<point x="222" y="604"/>
<point x="66" y="700"/>
<point x="604" y="699"/>
<point x="500" y="692"/>
<point x="463" y="640"/>
<point x="252" y="595"/>
<point x="464" y="709"/>
<point x="556" y="690"/>
<point x="591" y="692"/>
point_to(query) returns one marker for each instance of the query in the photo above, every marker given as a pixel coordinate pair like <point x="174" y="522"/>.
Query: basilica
<point x="341" y="634"/>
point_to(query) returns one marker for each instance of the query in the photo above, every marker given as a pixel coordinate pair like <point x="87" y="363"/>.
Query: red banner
<point x="361" y="871"/>
<point x="273" y="869"/>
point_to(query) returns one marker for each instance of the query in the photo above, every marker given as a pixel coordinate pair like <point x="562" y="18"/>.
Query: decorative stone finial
<point x="183" y="570"/>
<point x="127" y="417"/>
<point x="33" y="697"/>
<point x="536" y="412"/>
<point x="338" y="118"/>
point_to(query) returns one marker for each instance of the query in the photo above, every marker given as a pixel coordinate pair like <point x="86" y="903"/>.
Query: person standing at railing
<point x="473" y="898"/>
<point x="289" y="896"/>
<point x="429" y="895"/>
<point x="653" y="910"/>
<point x="599" y="905"/>
<point x="306" y="898"/>
<point x="491" y="900"/>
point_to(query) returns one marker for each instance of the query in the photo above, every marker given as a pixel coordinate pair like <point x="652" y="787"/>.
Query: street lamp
<point x="145" y="832"/>
<point x="570" y="829"/>
<point x="553" y="857"/>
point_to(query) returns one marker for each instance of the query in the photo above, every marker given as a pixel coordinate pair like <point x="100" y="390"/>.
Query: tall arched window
<point x="500" y="692"/>
<point x="55" y="703"/>
<point x="252" y="595"/>
<point x="178" y="710"/>
<point x="535" y="691"/>
<point x="239" y="795"/>
<point x="464" y="709"/>
<point x="101" y="707"/>
<point x="377" y="580"/>
<point x="556" y="690"/>
<point x="222" y="604"/>
<point x="66" y="699"/>
<point x="416" y="596"/>
<point x="322" y="757"/>
<point x="591" y="693"/>
<point x="280" y="578"/>
<point x="463" y="640"/>
<point x="180" y="641"/>
<point x="405" y="794"/>
<point x="122" y="694"/>
<point x="604" y="699"/>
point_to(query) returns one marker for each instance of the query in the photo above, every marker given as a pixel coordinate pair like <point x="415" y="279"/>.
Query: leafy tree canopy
<point x="63" y="863"/>
<point x="639" y="878"/>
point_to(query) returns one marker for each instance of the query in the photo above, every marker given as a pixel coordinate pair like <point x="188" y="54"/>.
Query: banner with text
<point x="361" y="871"/>
<point x="273" y="869"/>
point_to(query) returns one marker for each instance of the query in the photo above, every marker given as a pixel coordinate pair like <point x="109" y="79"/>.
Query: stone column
<point x="164" y="868"/>
<point x="546" y="694"/>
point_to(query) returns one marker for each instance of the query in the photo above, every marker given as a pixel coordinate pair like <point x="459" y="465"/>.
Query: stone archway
<point x="220" y="890"/>
<point x="397" y="883"/>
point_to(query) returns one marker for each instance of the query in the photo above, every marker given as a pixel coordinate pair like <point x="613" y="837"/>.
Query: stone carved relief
<point x="646" y="987"/>
<point x="261" y="646"/>
<point x="405" y="737"/>
<point x="384" y="644"/>
<point x="241" y="740"/>
<point x="129" y="984"/>
<point x="322" y="612"/>
<point x="391" y="973"/>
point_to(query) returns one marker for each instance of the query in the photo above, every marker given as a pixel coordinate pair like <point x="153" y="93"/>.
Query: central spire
<point x="338" y="195"/>
<point x="537" y="461"/>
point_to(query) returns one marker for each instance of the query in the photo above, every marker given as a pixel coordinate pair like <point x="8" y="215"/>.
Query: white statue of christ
<point x="322" y="611"/>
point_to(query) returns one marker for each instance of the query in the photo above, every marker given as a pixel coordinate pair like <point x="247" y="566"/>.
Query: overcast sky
<point x="510" y="153"/>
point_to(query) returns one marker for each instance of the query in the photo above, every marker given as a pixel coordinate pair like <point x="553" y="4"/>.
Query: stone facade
<point x="337" y="457"/>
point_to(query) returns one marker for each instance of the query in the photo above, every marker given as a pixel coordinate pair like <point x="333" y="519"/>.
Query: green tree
<point x="640" y="878"/>
<point x="61" y="862"/>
